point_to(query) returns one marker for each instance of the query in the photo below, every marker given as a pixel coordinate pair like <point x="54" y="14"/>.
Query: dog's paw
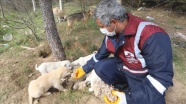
<point x="31" y="75"/>
<point x="75" y="87"/>
<point x="64" y="90"/>
<point x="46" y="93"/>
<point x="36" y="101"/>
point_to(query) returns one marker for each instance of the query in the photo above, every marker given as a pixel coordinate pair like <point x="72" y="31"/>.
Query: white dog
<point x="91" y="77"/>
<point x="49" y="66"/>
<point x="41" y="85"/>
<point x="83" y="60"/>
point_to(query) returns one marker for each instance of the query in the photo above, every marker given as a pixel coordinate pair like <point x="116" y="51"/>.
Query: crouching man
<point x="141" y="68"/>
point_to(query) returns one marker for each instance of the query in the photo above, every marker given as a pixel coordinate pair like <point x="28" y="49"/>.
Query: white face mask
<point x="106" y="32"/>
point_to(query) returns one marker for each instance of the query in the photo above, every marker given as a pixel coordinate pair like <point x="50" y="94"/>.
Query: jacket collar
<point x="132" y="25"/>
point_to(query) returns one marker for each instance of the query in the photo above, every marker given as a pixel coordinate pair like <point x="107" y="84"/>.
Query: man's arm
<point x="157" y="53"/>
<point x="101" y="54"/>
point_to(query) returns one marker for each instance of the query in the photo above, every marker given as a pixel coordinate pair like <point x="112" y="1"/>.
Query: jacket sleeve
<point x="157" y="53"/>
<point x="101" y="54"/>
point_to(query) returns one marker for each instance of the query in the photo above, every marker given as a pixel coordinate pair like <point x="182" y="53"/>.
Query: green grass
<point x="68" y="44"/>
<point x="73" y="96"/>
<point x="179" y="62"/>
<point x="179" y="58"/>
<point x="20" y="81"/>
<point x="172" y="21"/>
<point x="3" y="93"/>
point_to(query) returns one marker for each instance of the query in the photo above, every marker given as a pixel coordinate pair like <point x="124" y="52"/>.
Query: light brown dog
<point x="59" y="14"/>
<point x="76" y="17"/>
<point x="41" y="85"/>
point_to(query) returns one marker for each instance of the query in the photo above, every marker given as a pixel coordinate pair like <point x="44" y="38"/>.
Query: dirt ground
<point x="14" y="82"/>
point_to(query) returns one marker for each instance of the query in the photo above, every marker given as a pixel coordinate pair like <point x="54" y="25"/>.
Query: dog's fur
<point x="46" y="67"/>
<point x="83" y="60"/>
<point x="59" y="14"/>
<point x="41" y="85"/>
<point x="91" y="77"/>
<point x="81" y="16"/>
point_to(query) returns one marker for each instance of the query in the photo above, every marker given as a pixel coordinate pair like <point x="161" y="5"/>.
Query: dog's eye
<point x="65" y="65"/>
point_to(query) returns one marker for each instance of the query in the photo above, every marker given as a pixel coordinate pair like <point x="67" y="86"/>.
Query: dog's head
<point x="63" y="73"/>
<point x="67" y="64"/>
<point x="90" y="12"/>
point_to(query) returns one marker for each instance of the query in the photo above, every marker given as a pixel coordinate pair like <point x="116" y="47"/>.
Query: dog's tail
<point x="36" y="67"/>
<point x="30" y="100"/>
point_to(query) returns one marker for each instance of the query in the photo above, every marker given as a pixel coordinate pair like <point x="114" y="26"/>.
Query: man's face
<point x="109" y="28"/>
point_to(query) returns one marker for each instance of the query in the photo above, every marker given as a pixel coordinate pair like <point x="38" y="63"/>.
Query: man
<point x="141" y="68"/>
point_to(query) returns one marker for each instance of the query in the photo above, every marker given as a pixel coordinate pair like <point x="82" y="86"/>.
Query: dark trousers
<point x="122" y="80"/>
<point x="107" y="70"/>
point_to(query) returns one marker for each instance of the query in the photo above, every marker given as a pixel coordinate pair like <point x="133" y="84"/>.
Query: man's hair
<point x="109" y="9"/>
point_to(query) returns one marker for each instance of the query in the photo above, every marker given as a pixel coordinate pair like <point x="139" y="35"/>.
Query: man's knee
<point x="161" y="100"/>
<point x="99" y="69"/>
<point x="107" y="70"/>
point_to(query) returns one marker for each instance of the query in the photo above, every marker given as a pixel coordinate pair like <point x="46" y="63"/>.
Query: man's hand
<point x="78" y="73"/>
<point x="121" y="98"/>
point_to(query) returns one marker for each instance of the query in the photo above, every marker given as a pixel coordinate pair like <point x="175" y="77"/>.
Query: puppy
<point x="83" y="60"/>
<point x="81" y="16"/>
<point x="41" y="85"/>
<point x="59" y="14"/>
<point x="49" y="66"/>
<point x="91" y="78"/>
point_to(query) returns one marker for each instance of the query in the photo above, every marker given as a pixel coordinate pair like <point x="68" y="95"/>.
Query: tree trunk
<point x="51" y="30"/>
